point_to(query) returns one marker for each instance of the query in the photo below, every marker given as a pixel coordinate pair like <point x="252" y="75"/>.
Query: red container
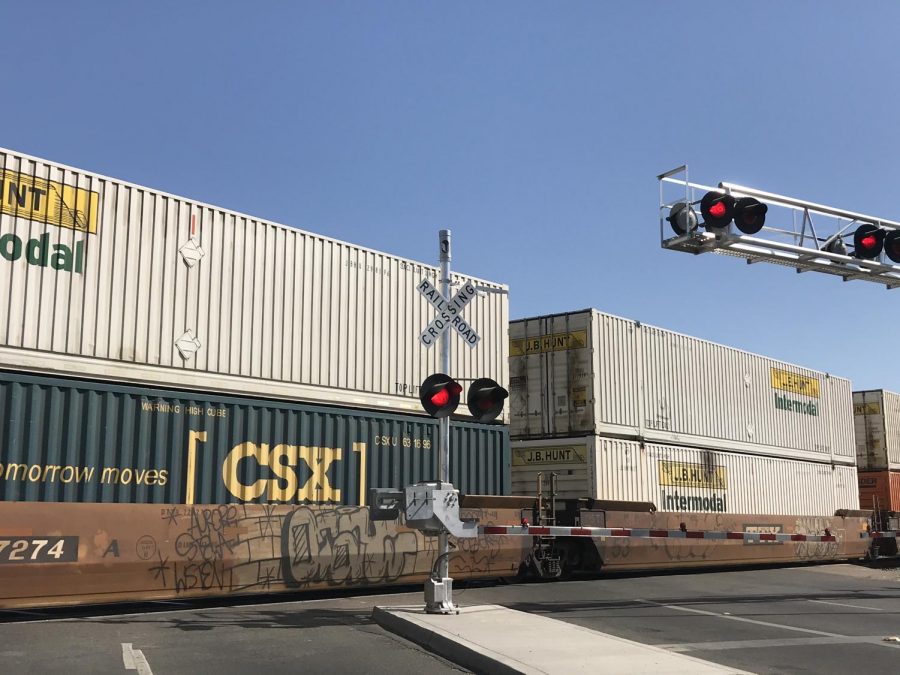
<point x="879" y="490"/>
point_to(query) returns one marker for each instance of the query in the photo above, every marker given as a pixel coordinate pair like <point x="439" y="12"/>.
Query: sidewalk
<point x="494" y="639"/>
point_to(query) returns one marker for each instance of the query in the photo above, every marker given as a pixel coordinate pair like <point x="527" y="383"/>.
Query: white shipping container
<point x="584" y="373"/>
<point x="876" y="419"/>
<point x="106" y="279"/>
<point x="681" y="479"/>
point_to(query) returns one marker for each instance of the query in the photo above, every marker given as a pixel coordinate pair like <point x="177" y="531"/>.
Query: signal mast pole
<point x="433" y="506"/>
<point x="444" y="429"/>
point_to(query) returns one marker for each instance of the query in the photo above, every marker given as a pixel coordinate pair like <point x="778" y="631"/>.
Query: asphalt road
<point x="828" y="619"/>
<point x="319" y="636"/>
<point x="825" y="619"/>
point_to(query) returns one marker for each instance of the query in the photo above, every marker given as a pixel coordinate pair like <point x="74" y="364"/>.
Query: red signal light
<point x="868" y="242"/>
<point x="441" y="398"/>
<point x="717" y="210"/>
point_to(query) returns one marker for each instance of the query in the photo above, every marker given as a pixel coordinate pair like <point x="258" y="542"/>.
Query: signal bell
<point x="485" y="399"/>
<point x="439" y="395"/>
<point x="682" y="218"/>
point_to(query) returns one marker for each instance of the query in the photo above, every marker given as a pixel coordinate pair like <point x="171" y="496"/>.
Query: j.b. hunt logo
<point x="45" y="201"/>
<point x="50" y="203"/>
<point x="690" y="475"/>
<point x="795" y="384"/>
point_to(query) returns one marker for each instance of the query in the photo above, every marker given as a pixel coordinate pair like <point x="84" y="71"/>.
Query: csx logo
<point x="283" y="461"/>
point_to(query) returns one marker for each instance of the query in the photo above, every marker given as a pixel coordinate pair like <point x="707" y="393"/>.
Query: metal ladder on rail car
<point x="546" y="561"/>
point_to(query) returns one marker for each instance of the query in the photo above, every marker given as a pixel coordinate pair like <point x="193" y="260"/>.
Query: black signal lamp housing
<point x="439" y="395"/>
<point x="717" y="209"/>
<point x="749" y="215"/>
<point x="868" y="241"/>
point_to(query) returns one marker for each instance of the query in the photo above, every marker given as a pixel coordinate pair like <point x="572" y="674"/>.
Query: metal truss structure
<point x="799" y="234"/>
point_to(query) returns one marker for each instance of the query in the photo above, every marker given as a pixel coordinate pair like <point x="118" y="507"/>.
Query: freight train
<point x="194" y="402"/>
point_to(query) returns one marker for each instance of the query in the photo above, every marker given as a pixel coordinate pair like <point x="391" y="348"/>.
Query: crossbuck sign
<point x="448" y="313"/>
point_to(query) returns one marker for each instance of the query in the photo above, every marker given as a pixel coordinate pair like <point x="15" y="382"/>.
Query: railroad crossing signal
<point x="449" y="313"/>
<point x="806" y="236"/>
<point x="719" y="209"/>
<point x="439" y="395"/>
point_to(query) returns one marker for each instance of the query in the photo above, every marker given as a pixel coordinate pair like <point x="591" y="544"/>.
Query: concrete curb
<point x="549" y="645"/>
<point x="448" y="645"/>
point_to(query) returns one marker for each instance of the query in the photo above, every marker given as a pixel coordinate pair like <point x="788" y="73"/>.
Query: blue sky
<point x="533" y="130"/>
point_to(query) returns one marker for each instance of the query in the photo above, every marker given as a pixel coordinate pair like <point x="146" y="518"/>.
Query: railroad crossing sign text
<point x="448" y="313"/>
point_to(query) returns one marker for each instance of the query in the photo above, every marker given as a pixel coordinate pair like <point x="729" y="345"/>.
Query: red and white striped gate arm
<point x="880" y="535"/>
<point x="637" y="533"/>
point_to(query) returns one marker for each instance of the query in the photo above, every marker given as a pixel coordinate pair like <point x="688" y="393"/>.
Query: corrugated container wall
<point x="114" y="281"/>
<point x="585" y="373"/>
<point x="680" y="479"/>
<point x="66" y="440"/>
<point x="879" y="490"/>
<point x="876" y="418"/>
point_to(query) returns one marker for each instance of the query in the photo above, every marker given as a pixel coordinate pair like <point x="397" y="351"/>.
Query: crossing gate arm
<point x="638" y="533"/>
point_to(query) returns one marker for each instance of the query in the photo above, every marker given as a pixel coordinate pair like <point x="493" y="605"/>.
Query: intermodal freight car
<point x="193" y="402"/>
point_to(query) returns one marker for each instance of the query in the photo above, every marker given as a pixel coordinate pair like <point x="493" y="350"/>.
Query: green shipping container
<point x="68" y="440"/>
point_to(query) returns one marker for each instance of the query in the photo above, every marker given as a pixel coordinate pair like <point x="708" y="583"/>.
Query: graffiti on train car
<point x="342" y="548"/>
<point x="248" y="548"/>
<point x="482" y="554"/>
<point x="177" y="550"/>
<point x="814" y="550"/>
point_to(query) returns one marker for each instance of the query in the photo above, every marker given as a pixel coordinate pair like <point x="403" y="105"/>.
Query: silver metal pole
<point x="444" y="459"/>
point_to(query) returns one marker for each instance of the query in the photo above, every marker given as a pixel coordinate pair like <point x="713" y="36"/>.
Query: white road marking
<point x="762" y="644"/>
<point x="742" y="619"/>
<point x="128" y="656"/>
<point x="833" y="638"/>
<point x="134" y="659"/>
<point x="844" y="604"/>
